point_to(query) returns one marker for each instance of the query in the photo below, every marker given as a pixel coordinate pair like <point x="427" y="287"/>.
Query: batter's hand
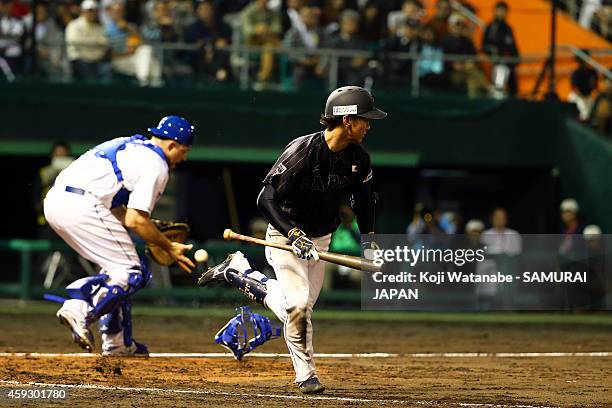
<point x="368" y="248"/>
<point x="302" y="246"/>
<point x="177" y="254"/>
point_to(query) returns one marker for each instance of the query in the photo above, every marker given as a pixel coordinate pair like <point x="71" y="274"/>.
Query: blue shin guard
<point x="120" y="319"/>
<point x="246" y="331"/>
<point x="87" y="288"/>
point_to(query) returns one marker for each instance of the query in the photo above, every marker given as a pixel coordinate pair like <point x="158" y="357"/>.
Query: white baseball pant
<point x="92" y="230"/>
<point x="300" y="282"/>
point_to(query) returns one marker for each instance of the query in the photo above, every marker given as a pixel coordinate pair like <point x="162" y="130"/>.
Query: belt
<point x="75" y="190"/>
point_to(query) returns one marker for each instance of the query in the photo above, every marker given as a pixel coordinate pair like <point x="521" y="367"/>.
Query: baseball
<point x="201" y="255"/>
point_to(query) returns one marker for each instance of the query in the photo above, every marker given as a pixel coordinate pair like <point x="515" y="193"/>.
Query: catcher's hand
<point x="177" y="232"/>
<point x="302" y="246"/>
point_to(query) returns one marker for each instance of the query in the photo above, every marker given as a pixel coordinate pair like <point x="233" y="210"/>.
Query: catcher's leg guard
<point x="119" y="320"/>
<point x="104" y="298"/>
<point x="92" y="297"/>
<point x="116" y="330"/>
<point x="110" y="323"/>
<point x="126" y="311"/>
<point x="86" y="289"/>
<point x="111" y="326"/>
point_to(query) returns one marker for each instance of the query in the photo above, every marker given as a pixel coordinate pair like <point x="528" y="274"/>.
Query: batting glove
<point x="302" y="246"/>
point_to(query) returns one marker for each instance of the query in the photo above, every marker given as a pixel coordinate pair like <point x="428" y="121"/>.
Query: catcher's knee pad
<point x="246" y="331"/>
<point x="254" y="289"/>
<point x="113" y="297"/>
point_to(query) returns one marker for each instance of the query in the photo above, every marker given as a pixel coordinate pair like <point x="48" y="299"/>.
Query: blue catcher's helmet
<point x="175" y="128"/>
<point x="246" y="331"/>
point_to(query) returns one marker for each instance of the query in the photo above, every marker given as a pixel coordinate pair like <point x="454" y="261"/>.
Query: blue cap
<point x="175" y="128"/>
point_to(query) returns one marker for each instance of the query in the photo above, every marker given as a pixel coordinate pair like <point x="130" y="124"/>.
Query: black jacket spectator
<point x="373" y="24"/>
<point x="210" y="33"/>
<point x="399" y="71"/>
<point x="584" y="80"/>
<point x="498" y="41"/>
<point x="351" y="71"/>
<point x="456" y="44"/>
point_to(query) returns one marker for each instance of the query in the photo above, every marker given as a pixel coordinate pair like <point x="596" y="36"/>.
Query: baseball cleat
<point x="80" y="332"/>
<point x="312" y="386"/>
<point x="134" y="350"/>
<point x="235" y="261"/>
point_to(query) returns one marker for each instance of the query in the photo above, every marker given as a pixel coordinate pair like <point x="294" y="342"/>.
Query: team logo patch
<point x="354" y="168"/>
<point x="280" y="169"/>
<point x="344" y="110"/>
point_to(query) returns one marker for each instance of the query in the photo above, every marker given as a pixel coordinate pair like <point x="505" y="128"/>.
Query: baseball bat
<point x="354" y="262"/>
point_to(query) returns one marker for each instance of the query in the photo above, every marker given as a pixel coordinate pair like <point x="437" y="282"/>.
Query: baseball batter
<point x="107" y="190"/>
<point x="301" y="197"/>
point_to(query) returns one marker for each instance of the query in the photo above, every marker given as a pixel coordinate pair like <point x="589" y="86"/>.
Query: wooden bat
<point x="354" y="262"/>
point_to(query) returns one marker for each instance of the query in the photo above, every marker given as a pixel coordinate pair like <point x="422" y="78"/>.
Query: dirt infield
<point x="394" y="381"/>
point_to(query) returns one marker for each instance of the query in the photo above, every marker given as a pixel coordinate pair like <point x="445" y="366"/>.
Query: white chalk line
<point x="512" y="355"/>
<point x="258" y="395"/>
<point x="336" y="355"/>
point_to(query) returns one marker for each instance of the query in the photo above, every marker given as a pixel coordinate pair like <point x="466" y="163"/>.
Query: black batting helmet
<point x="352" y="100"/>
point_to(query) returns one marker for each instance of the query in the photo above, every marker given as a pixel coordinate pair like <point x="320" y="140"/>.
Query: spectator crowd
<point x="397" y="45"/>
<point x="592" y="14"/>
<point x="578" y="247"/>
<point x="94" y="40"/>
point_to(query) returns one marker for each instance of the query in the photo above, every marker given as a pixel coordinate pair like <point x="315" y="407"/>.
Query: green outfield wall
<point x="252" y="127"/>
<point x="235" y="125"/>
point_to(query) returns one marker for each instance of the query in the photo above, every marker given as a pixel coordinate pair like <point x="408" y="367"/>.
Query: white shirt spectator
<point x="11" y="31"/>
<point x="502" y="242"/>
<point x="86" y="41"/>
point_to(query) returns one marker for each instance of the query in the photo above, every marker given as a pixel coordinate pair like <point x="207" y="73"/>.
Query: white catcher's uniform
<point x="78" y="208"/>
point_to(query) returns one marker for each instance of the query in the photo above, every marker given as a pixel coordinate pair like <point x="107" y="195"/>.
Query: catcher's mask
<point x="246" y="331"/>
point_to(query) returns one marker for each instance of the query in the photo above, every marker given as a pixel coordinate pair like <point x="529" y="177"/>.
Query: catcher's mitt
<point x="175" y="232"/>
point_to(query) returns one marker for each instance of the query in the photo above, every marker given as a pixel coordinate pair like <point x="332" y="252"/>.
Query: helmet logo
<point x="344" y="110"/>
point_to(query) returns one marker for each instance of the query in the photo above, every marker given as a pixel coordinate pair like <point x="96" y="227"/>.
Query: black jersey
<point x="311" y="182"/>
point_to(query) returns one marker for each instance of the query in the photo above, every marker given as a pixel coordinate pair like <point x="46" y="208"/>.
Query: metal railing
<point x="243" y="61"/>
<point x="603" y="71"/>
<point x="462" y="9"/>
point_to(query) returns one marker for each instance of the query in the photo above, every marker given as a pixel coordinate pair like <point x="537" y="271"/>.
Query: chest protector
<point x="108" y="150"/>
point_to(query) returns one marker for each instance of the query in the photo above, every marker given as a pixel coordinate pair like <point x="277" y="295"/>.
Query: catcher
<point x="112" y="188"/>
